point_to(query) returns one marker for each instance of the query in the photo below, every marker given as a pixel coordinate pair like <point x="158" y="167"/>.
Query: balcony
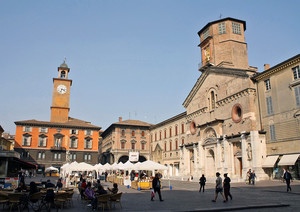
<point x="56" y="148"/>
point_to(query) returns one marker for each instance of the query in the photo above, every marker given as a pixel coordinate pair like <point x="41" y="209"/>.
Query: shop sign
<point x="9" y="182"/>
<point x="133" y="156"/>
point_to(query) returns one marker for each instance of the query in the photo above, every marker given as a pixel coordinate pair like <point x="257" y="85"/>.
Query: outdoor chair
<point x="103" y="200"/>
<point x="60" y="199"/>
<point x="34" y="201"/>
<point x="3" y="199"/>
<point x="14" y="200"/>
<point x="116" y="198"/>
<point x="70" y="197"/>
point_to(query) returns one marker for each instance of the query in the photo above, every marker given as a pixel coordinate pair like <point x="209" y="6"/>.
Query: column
<point x="244" y="154"/>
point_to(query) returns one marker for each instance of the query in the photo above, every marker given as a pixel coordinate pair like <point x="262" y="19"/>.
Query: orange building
<point x="62" y="139"/>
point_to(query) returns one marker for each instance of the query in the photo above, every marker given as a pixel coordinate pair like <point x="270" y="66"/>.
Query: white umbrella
<point x="51" y="168"/>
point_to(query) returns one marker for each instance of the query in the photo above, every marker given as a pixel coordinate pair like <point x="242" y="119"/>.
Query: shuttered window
<point x="272" y="133"/>
<point x="297" y="95"/>
<point x="269" y="105"/>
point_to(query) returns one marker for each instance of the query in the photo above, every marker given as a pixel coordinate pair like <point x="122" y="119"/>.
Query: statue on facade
<point x="249" y="151"/>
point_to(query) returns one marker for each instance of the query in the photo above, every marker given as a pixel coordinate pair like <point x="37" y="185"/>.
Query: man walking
<point x="202" y="181"/>
<point x="156" y="186"/>
<point x="219" y="188"/>
<point x="226" y="185"/>
<point x="288" y="177"/>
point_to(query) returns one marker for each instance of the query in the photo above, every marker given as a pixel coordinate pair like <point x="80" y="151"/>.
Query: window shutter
<point x="46" y="130"/>
<point x="70" y="132"/>
<point x="70" y="142"/>
<point x="271" y="105"/>
<point x="84" y="143"/>
<point x="23" y="129"/>
<point x="40" y="129"/>
<point x="76" y="143"/>
<point x="76" y="132"/>
<point x="30" y="129"/>
<point x="91" y="144"/>
<point x="91" y="132"/>
<point x="23" y="140"/>
<point x="297" y="95"/>
<point x="85" y="132"/>
<point x="29" y="139"/>
<point x="45" y="141"/>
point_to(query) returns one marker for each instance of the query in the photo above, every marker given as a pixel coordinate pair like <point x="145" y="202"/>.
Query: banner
<point x="133" y="156"/>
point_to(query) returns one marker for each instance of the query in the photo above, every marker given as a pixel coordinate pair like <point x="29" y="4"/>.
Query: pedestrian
<point x="219" y="187"/>
<point x="249" y="176"/>
<point x="253" y="176"/>
<point x="284" y="171"/>
<point x="89" y="192"/>
<point x="288" y="177"/>
<point x="226" y="186"/>
<point x="106" y="174"/>
<point x="202" y="181"/>
<point x="156" y="184"/>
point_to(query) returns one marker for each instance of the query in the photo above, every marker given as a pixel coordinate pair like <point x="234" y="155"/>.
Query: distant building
<point x="62" y="139"/>
<point x="125" y="139"/>
<point x="279" y="102"/>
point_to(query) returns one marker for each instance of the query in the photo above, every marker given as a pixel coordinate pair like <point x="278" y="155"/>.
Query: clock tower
<point x="61" y="95"/>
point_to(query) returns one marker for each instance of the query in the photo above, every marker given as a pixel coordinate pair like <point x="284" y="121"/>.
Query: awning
<point x="25" y="164"/>
<point x="288" y="160"/>
<point x="270" y="161"/>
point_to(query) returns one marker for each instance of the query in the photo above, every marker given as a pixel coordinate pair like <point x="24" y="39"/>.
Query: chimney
<point x="267" y="66"/>
<point x="120" y="119"/>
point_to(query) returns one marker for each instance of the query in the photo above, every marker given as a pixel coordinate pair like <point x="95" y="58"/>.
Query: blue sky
<point x="127" y="58"/>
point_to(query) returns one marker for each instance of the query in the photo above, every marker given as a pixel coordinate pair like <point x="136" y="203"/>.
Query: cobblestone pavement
<point x="185" y="196"/>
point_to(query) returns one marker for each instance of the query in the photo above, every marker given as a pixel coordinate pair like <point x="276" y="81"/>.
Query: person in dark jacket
<point x="226" y="186"/>
<point x="288" y="177"/>
<point x="33" y="188"/>
<point x="156" y="185"/>
<point x="202" y="181"/>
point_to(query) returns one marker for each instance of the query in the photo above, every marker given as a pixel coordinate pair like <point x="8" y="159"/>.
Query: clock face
<point x="61" y="89"/>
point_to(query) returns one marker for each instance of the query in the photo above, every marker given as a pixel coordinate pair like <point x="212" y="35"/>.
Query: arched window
<point x="132" y="145"/>
<point x="182" y="141"/>
<point x="123" y="132"/>
<point x="62" y="74"/>
<point x="170" y="145"/>
<point x="159" y="135"/>
<point x="155" y="137"/>
<point x="143" y="133"/>
<point x="182" y="128"/>
<point x="165" y="146"/>
<point x="176" y="130"/>
<point x="176" y="144"/>
<point x="123" y="145"/>
<point x="132" y="133"/>
<point x="212" y="100"/>
<point x="170" y="132"/>
<point x="165" y="133"/>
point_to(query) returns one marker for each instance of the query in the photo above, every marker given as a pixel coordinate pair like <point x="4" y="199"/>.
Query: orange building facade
<point x="62" y="139"/>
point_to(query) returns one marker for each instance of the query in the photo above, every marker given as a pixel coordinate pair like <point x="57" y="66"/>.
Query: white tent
<point x="106" y="167"/>
<point x="114" y="166"/>
<point x="128" y="165"/>
<point x="51" y="168"/>
<point x="149" y="165"/>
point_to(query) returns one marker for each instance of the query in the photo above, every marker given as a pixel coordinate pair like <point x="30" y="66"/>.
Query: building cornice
<point x="277" y="68"/>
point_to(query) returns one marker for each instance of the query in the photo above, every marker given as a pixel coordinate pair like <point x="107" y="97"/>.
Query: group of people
<point x="220" y="186"/>
<point x="251" y="177"/>
<point x="91" y="193"/>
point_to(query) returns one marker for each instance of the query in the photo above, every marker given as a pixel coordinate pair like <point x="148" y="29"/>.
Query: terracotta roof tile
<point x="72" y="122"/>
<point x="133" y="123"/>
